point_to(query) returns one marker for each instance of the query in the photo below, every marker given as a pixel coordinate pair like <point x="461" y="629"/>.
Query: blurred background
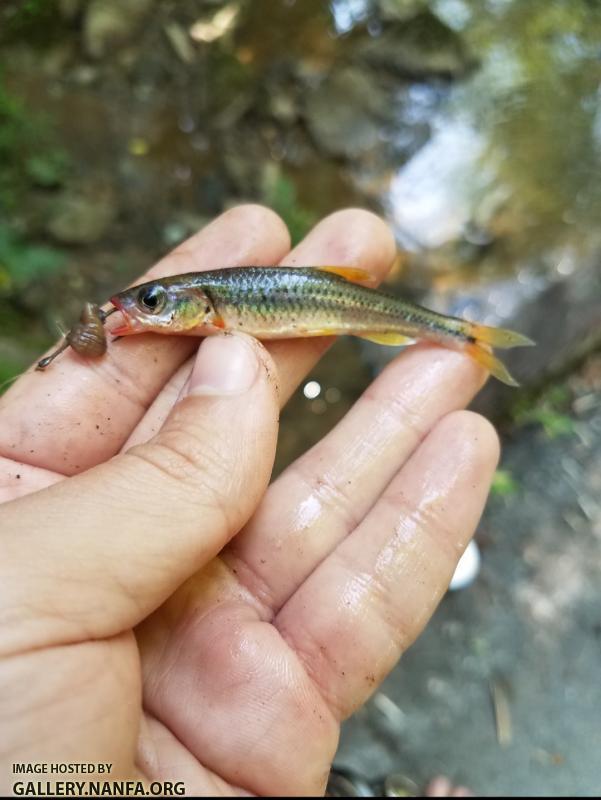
<point x="474" y="128"/>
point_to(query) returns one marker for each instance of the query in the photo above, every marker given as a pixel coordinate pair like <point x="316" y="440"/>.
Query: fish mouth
<point x="126" y="326"/>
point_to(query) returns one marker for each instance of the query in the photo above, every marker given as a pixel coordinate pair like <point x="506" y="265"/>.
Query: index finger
<point x="80" y="411"/>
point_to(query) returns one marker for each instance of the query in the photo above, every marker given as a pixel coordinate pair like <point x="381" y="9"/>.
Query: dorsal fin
<point x="353" y="274"/>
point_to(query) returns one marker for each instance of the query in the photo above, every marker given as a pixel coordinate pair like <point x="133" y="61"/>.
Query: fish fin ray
<point x="389" y="337"/>
<point x="352" y="274"/>
<point x="316" y="332"/>
<point x="490" y="362"/>
<point x="499" y="337"/>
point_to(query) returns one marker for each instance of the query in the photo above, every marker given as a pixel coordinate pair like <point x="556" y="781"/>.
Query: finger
<point x="81" y="700"/>
<point x="209" y="650"/>
<point x="323" y="495"/>
<point x="97" y="553"/>
<point x="17" y="479"/>
<point x="352" y="237"/>
<point x="441" y="786"/>
<point x="368" y="601"/>
<point x="80" y="412"/>
<point x="154" y="419"/>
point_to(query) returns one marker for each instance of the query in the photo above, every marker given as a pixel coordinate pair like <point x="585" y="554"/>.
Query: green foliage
<point x="503" y="483"/>
<point x="22" y="263"/>
<point x="27" y="156"/>
<point x="548" y="410"/>
<point x="26" y="139"/>
<point x="33" y="8"/>
<point x="13" y="124"/>
<point x="31" y="19"/>
<point x="47" y="169"/>
<point x="9" y="369"/>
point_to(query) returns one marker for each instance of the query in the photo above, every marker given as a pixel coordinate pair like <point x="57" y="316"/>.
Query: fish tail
<point x="483" y="356"/>
<point x="497" y="337"/>
<point x="481" y="338"/>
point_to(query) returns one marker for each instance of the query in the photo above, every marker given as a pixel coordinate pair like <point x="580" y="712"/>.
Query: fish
<point x="289" y="302"/>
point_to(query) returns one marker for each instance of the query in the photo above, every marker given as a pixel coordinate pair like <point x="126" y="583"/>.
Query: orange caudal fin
<point x="487" y="337"/>
<point x="499" y="337"/>
<point x="353" y="274"/>
<point x="490" y="362"/>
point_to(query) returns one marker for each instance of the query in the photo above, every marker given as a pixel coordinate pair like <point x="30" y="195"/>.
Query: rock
<point x="54" y="62"/>
<point x="182" y="226"/>
<point x="421" y="47"/>
<point x="343" y="783"/>
<point x="563" y="317"/>
<point x="399" y="9"/>
<point x="180" y="42"/>
<point x="84" y="74"/>
<point x="244" y="154"/>
<point x="82" y="215"/>
<point x="283" y="107"/>
<point x="70" y="9"/>
<point x="344" y="113"/>
<point x="217" y="24"/>
<point x="109" y="24"/>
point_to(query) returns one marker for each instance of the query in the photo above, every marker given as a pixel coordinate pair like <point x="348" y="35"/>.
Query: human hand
<point x="135" y="629"/>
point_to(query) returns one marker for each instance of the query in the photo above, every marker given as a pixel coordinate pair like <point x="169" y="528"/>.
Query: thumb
<point x="105" y="548"/>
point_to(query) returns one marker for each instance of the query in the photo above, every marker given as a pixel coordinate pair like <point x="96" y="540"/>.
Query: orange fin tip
<point x="491" y="363"/>
<point x="353" y="274"/>
<point x="390" y="338"/>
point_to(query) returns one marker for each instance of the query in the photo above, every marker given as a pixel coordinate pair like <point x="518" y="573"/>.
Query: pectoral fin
<point x="390" y="338"/>
<point x="353" y="274"/>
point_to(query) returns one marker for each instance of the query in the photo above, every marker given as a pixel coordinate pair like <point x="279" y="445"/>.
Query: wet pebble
<point x="109" y="24"/>
<point x="345" y="113"/>
<point x="82" y="214"/>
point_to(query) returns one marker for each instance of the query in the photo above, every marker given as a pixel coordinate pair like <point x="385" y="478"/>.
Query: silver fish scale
<point x="267" y="300"/>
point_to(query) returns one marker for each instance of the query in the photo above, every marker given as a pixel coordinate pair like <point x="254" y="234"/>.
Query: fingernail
<point x="225" y="364"/>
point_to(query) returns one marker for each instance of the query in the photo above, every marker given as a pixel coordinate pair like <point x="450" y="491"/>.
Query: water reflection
<point x="475" y="127"/>
<point x="513" y="161"/>
<point x="431" y="196"/>
<point x="347" y="13"/>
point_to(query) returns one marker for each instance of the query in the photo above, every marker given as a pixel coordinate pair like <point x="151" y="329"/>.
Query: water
<point x="473" y="127"/>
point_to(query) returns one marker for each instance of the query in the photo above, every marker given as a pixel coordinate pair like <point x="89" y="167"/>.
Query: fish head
<point x="164" y="307"/>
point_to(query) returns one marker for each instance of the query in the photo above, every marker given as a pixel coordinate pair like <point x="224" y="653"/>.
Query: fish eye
<point x="152" y="299"/>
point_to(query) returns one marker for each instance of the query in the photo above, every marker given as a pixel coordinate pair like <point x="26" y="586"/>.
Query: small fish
<point x="87" y="337"/>
<point x="287" y="302"/>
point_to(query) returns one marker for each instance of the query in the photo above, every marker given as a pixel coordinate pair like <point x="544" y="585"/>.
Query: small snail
<point x="87" y="337"/>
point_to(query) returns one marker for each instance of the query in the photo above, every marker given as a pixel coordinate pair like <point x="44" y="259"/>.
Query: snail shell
<point x="88" y="337"/>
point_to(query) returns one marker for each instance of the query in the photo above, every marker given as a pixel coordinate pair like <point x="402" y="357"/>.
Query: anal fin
<point x="390" y="338"/>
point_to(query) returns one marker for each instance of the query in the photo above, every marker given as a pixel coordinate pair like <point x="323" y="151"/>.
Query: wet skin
<point x="167" y="610"/>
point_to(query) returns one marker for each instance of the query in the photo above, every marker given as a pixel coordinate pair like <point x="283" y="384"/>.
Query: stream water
<point x="473" y="127"/>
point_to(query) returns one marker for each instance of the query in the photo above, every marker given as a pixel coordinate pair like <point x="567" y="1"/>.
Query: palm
<point x="226" y="681"/>
<point x="246" y="669"/>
